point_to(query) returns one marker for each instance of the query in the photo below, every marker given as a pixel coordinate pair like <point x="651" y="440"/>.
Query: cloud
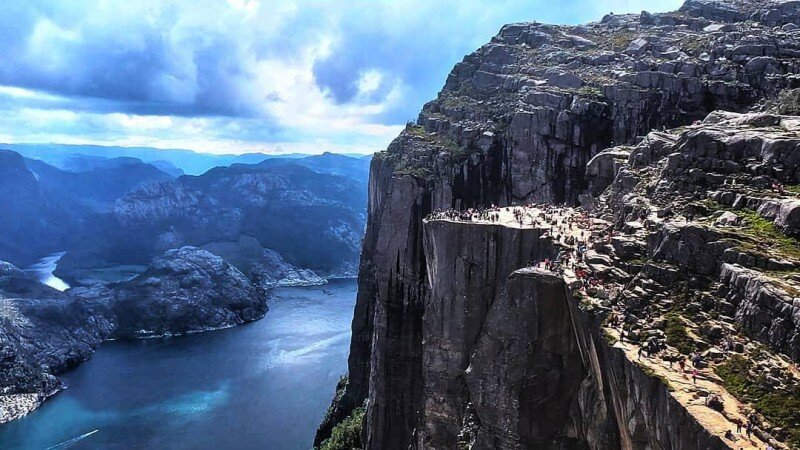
<point x="262" y="74"/>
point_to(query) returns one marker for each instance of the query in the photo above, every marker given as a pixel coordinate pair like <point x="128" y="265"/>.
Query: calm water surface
<point x="264" y="385"/>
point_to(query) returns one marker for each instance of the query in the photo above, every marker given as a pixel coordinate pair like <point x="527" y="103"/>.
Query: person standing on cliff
<point x="738" y="422"/>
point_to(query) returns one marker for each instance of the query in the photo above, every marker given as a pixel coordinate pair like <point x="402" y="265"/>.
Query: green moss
<point x="610" y="338"/>
<point x="422" y="173"/>
<point x="766" y="238"/>
<point x="758" y="236"/>
<point x="590" y="91"/>
<point x="780" y="408"/>
<point x="347" y="434"/>
<point x="677" y="336"/>
<point x="621" y="40"/>
<point x="652" y="374"/>
<point x="694" y="45"/>
<point x="789" y="102"/>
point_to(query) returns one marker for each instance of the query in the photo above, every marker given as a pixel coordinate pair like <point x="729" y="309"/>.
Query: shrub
<point x="780" y="408"/>
<point x="347" y="434"/>
<point x="677" y="336"/>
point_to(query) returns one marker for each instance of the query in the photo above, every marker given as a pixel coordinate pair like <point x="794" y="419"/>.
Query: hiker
<point x="729" y="435"/>
<point x="749" y="429"/>
<point x="738" y="423"/>
<point x="682" y="364"/>
<point x="694" y="376"/>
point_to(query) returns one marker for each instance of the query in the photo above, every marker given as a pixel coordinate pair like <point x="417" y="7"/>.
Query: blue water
<point x="264" y="385"/>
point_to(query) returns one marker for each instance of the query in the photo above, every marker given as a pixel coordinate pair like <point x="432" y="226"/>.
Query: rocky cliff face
<point x="512" y="360"/>
<point x="552" y="114"/>
<point x="44" y="332"/>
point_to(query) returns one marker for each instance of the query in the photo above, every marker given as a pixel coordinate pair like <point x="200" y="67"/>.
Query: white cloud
<point x="243" y="75"/>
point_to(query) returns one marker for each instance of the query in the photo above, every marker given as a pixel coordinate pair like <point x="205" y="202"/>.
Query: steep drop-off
<point x="519" y="121"/>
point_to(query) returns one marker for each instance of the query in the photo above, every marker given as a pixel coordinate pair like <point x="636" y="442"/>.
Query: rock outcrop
<point x="558" y="114"/>
<point x="185" y="291"/>
<point x="44" y="332"/>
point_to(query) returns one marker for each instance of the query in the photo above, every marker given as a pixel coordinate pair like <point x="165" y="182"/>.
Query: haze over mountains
<point x="173" y="161"/>
<point x="124" y="211"/>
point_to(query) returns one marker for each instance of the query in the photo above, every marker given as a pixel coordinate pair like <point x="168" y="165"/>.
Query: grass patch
<point x="652" y="374"/>
<point x="422" y="173"/>
<point x="621" y="40"/>
<point x="677" y="336"/>
<point x="347" y="434"/>
<point x="793" y="189"/>
<point x="766" y="237"/>
<point x="781" y="409"/>
<point x="590" y="91"/>
<point x="610" y="338"/>
<point x="430" y="145"/>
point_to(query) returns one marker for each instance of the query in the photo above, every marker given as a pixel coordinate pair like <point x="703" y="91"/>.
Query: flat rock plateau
<point x="589" y="240"/>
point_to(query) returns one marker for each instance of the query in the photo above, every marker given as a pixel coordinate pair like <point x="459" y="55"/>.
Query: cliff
<point x="558" y="114"/>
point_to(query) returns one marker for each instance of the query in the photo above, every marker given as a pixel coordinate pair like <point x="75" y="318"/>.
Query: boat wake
<point x="69" y="442"/>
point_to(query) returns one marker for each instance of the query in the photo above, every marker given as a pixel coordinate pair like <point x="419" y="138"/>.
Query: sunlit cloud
<point x="244" y="75"/>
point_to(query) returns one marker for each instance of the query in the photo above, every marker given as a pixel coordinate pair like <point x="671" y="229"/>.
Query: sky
<point x="238" y="76"/>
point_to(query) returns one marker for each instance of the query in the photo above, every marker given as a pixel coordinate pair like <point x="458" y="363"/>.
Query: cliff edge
<point x="616" y="117"/>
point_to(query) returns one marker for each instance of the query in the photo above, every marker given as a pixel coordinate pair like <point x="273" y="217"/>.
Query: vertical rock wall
<point x="518" y="121"/>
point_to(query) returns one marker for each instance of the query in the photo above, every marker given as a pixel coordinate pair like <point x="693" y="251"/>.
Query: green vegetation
<point x="418" y="163"/>
<point x="759" y="236"/>
<point x="766" y="237"/>
<point x="780" y="408"/>
<point x="652" y="374"/>
<point x="590" y="91"/>
<point x="695" y="45"/>
<point x="610" y="338"/>
<point x="676" y="334"/>
<point x="793" y="189"/>
<point x="347" y="434"/>
<point x="422" y="173"/>
<point x="621" y="40"/>
<point x="789" y="102"/>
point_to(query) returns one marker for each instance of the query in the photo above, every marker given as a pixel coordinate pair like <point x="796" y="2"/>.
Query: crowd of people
<point x="576" y="232"/>
<point x="569" y="227"/>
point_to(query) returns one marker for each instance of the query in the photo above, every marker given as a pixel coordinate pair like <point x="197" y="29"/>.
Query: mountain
<point x="99" y="184"/>
<point x="683" y="288"/>
<point x="32" y="223"/>
<point x="65" y="156"/>
<point x="313" y="219"/>
<point x="44" y="207"/>
<point x="356" y="168"/>
<point x="83" y="163"/>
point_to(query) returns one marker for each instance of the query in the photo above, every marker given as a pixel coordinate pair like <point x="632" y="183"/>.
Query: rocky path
<point x="592" y="276"/>
<point x="693" y="394"/>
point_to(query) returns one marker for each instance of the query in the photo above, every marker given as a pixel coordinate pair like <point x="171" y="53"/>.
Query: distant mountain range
<point x="173" y="161"/>
<point x="42" y="206"/>
<point x="293" y="213"/>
